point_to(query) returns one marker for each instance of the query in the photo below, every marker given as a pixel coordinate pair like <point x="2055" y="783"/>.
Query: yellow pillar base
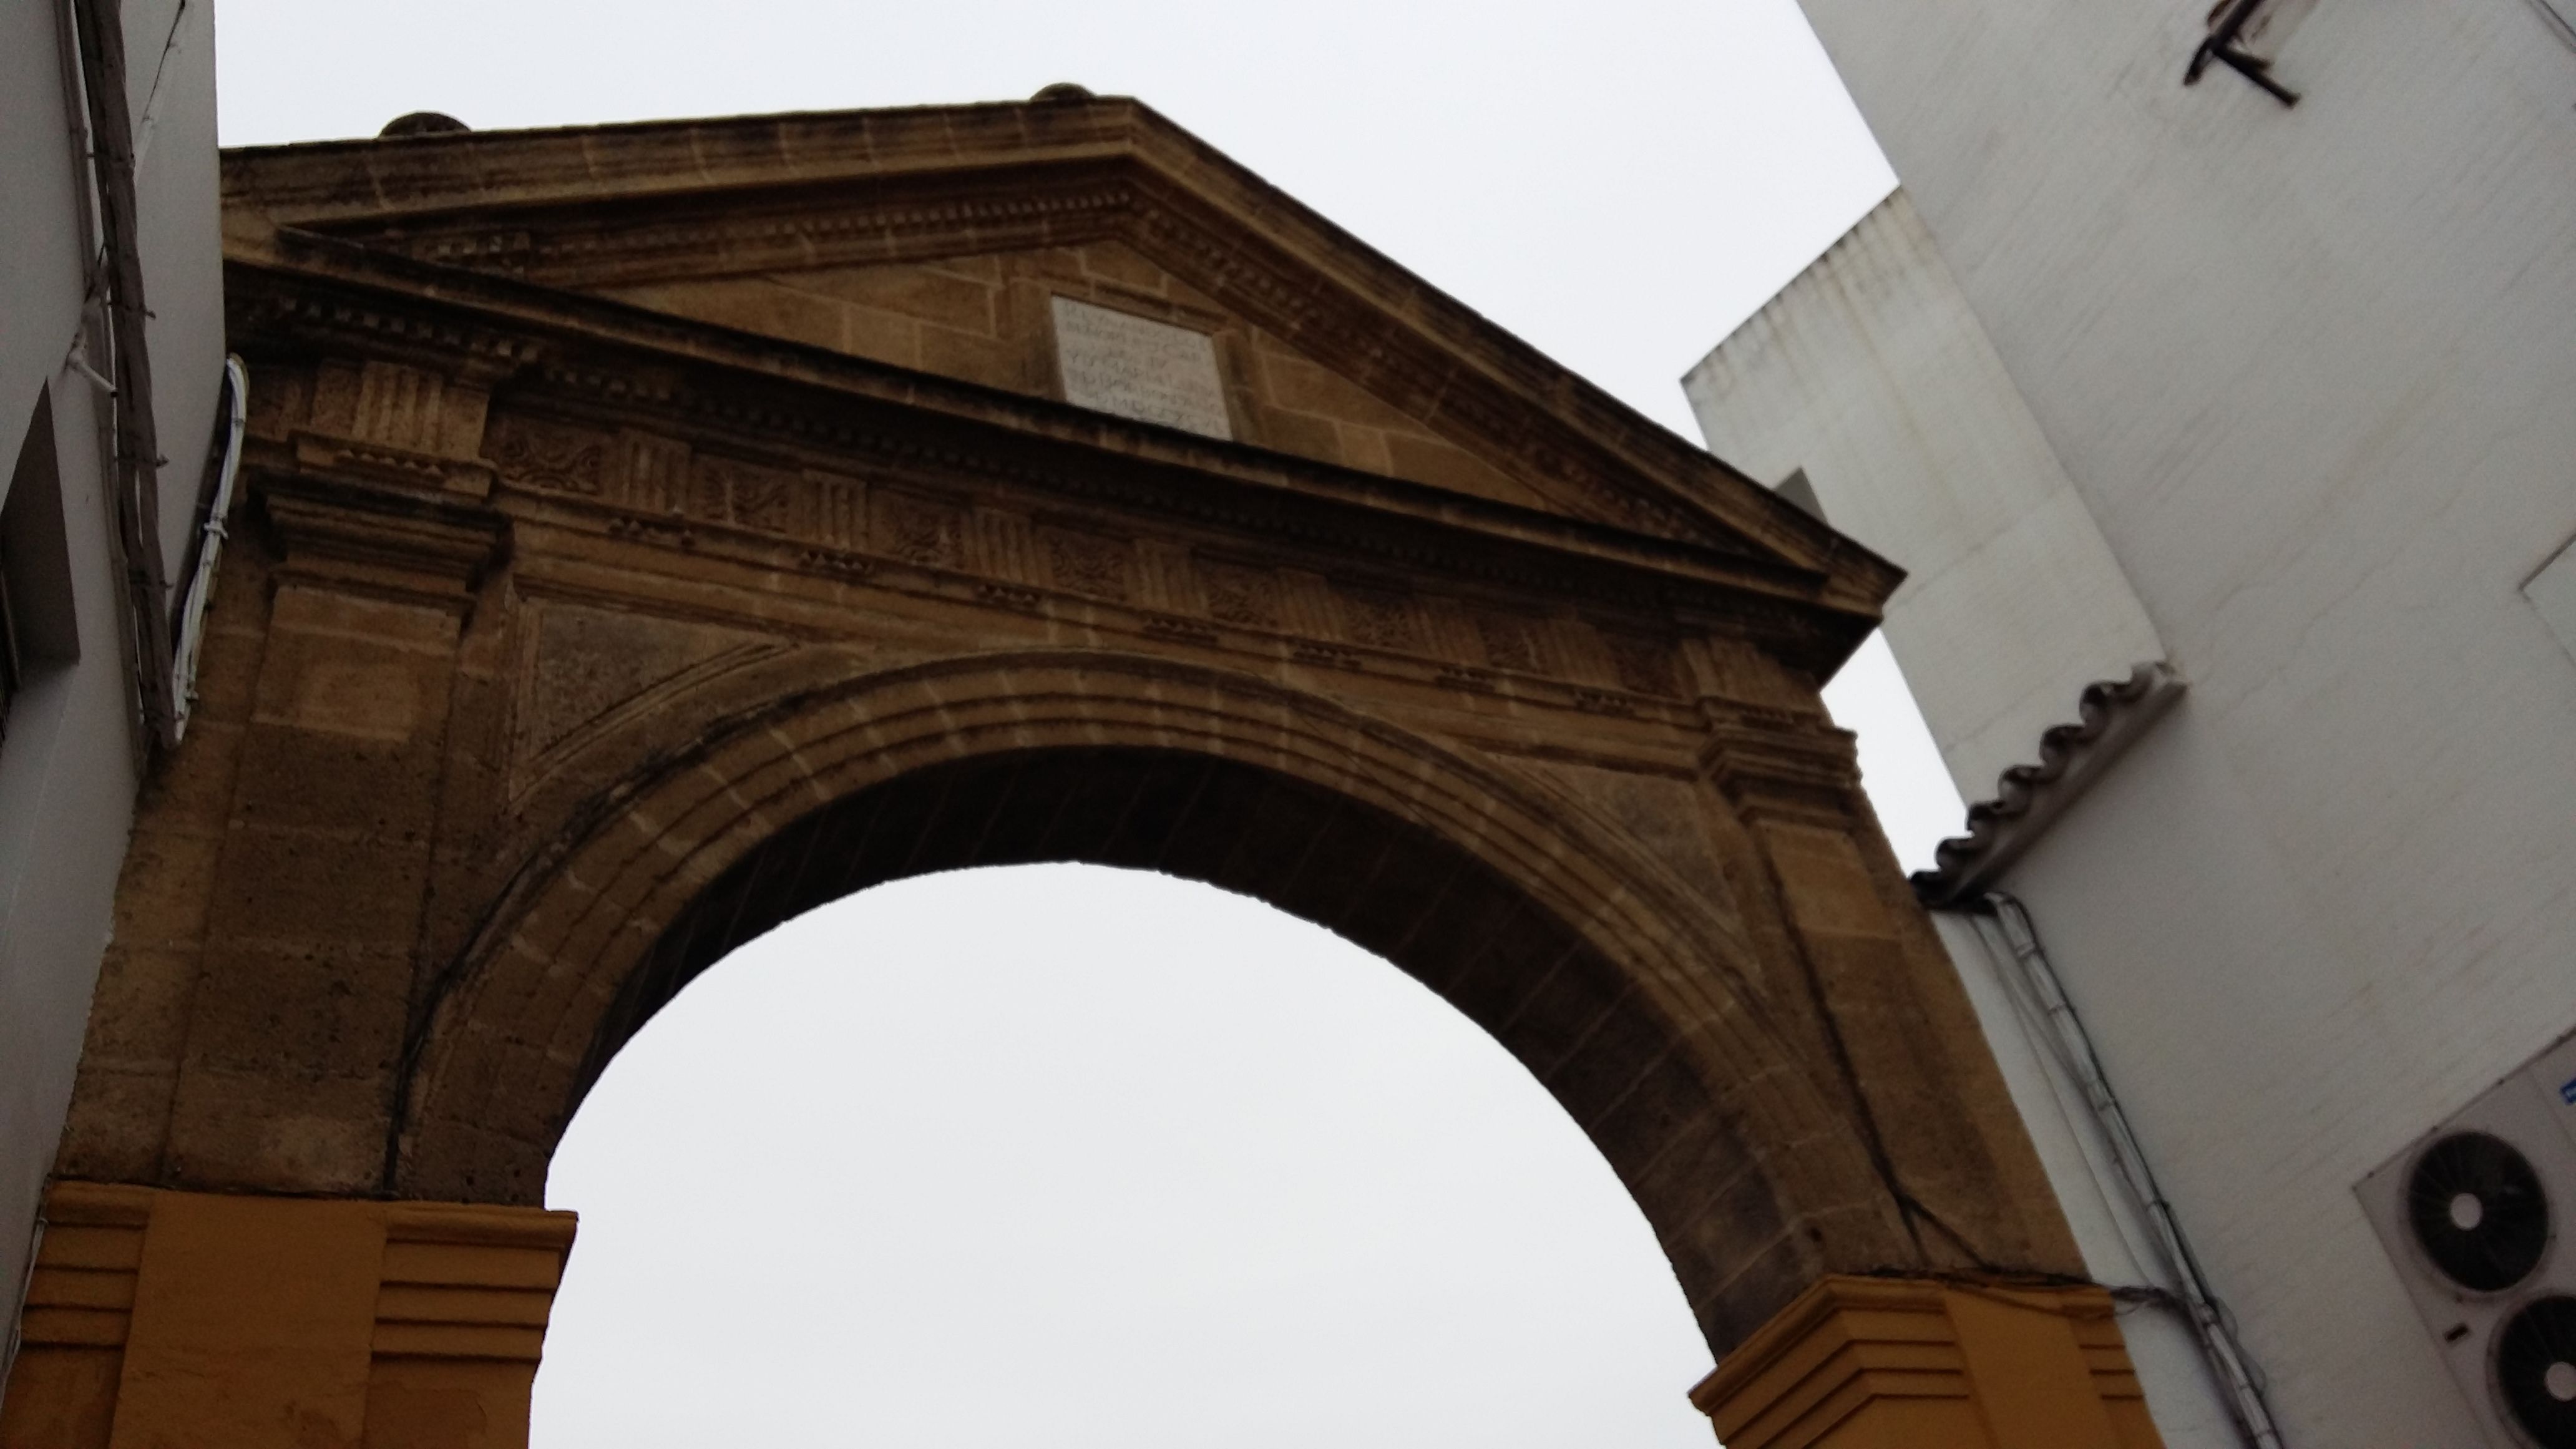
<point x="173" y="1320"/>
<point x="1894" y="1363"/>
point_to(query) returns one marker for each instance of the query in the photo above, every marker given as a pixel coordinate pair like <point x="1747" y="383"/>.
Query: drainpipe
<point x="100" y="31"/>
<point x="207" y="549"/>
<point x="2075" y="1051"/>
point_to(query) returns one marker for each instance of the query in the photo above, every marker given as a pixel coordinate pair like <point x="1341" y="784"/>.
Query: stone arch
<point x="1618" y="983"/>
<point x="1426" y="609"/>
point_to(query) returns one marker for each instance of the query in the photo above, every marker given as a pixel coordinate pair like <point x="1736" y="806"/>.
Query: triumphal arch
<point x="651" y="532"/>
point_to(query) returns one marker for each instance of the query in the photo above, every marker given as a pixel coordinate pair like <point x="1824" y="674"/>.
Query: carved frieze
<point x="660" y="489"/>
<point x="1511" y="641"/>
<point x="1240" y="593"/>
<point x="533" y="454"/>
<point x="1642" y="662"/>
<point x="396" y="423"/>
<point x="1083" y="562"/>
<point x="744" y="494"/>
<point x="919" y="530"/>
<point x="656" y="476"/>
<point x="1380" y="617"/>
<point x="1002" y="548"/>
<point x="838" y="509"/>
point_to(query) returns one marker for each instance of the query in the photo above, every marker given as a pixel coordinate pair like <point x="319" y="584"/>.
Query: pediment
<point x="1094" y="322"/>
<point x="952" y="240"/>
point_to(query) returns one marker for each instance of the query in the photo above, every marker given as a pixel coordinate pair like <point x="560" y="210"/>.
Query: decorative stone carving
<point x="1088" y="563"/>
<point x="838" y="509"/>
<point x="1001" y="549"/>
<point x="1511" y="641"/>
<point x="755" y="497"/>
<point x="1379" y="617"/>
<point x="1642" y="662"/>
<point x="656" y="473"/>
<point x="920" y="530"/>
<point x="1239" y="593"/>
<point x="533" y="454"/>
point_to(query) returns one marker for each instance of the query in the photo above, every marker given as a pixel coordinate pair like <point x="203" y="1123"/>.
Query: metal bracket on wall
<point x="2223" y="46"/>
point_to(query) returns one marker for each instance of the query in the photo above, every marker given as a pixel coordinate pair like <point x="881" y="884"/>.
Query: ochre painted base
<point x="1895" y="1363"/>
<point x="172" y="1320"/>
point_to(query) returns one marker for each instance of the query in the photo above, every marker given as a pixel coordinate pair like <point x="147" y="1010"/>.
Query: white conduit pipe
<point x="200" y="592"/>
<point x="2227" y="1357"/>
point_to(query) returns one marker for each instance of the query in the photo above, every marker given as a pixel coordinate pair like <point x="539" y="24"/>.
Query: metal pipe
<point x="208" y="548"/>
<point x="2234" y="1367"/>
<point x="100" y="35"/>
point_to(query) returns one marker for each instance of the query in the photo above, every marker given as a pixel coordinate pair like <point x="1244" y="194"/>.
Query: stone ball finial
<point x="1063" y="91"/>
<point x="422" y="123"/>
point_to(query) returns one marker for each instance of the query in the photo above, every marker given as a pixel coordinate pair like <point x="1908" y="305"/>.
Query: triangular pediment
<point x="1096" y="323"/>
<point x="1078" y="249"/>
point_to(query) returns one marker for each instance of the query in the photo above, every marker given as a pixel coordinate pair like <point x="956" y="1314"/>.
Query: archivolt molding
<point x="526" y="996"/>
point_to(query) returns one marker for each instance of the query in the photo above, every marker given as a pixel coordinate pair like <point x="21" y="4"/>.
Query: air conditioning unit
<point x="2480" y="1218"/>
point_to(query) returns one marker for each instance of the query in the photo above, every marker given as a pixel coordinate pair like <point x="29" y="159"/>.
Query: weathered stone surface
<point x="573" y="644"/>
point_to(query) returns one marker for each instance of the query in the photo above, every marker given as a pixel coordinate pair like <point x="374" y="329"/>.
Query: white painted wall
<point x="2119" y="1247"/>
<point x="67" y="767"/>
<point x="1871" y="373"/>
<point x="2313" y="375"/>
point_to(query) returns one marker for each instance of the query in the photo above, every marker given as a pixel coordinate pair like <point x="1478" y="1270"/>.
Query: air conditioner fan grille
<point x="2535" y="1369"/>
<point x="2478" y="1210"/>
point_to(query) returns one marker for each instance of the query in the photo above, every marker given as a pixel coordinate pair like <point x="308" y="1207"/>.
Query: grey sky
<point x="1107" y="1159"/>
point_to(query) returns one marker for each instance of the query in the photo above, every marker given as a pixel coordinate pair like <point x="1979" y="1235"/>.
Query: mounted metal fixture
<point x="2223" y="47"/>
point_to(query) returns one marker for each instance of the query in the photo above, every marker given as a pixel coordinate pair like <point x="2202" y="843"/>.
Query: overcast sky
<point x="1093" y="1158"/>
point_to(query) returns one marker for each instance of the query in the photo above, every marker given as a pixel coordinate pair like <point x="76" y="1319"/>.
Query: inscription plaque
<point x="1135" y="367"/>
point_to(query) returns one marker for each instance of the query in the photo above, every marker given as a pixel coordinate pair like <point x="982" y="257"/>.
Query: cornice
<point x="736" y="233"/>
<point x="1780" y="766"/>
<point x="362" y="536"/>
<point x="379" y="179"/>
<point x="2110" y="716"/>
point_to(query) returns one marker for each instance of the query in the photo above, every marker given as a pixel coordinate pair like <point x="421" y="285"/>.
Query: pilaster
<point x="325" y="866"/>
<point x="1897" y="1029"/>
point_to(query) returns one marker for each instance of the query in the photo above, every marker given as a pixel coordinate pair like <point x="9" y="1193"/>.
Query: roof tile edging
<point x="2111" y="715"/>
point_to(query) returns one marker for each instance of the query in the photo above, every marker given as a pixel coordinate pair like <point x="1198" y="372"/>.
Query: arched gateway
<point x="655" y="531"/>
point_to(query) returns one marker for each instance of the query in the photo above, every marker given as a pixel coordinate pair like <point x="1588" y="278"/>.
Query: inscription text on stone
<point x="1135" y="367"/>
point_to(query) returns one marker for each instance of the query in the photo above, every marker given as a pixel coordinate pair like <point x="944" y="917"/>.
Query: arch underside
<point x="1630" y="1018"/>
<point x="1449" y="920"/>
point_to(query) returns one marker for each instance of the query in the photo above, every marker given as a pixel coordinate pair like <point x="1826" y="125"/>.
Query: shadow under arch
<point x="1612" y="980"/>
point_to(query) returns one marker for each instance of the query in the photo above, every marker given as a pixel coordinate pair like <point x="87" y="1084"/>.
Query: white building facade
<point x="113" y="410"/>
<point x="2266" y="413"/>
